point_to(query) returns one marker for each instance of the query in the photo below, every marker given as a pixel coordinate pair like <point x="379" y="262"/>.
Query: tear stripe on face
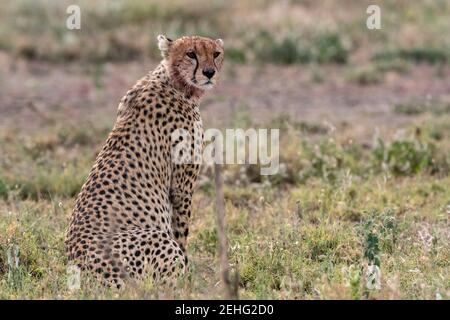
<point x="195" y="70"/>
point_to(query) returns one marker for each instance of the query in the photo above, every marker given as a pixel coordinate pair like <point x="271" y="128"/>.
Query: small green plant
<point x="410" y="108"/>
<point x="389" y="231"/>
<point x="436" y="133"/>
<point x="286" y="50"/>
<point x="371" y="247"/>
<point x="98" y="75"/>
<point x="365" y="75"/>
<point x="355" y="283"/>
<point x="380" y="231"/>
<point x="15" y="273"/>
<point x="3" y="189"/>
<point x="207" y="241"/>
<point x="329" y="160"/>
<point x="403" y="157"/>
<point x="236" y="55"/>
<point x="328" y="48"/>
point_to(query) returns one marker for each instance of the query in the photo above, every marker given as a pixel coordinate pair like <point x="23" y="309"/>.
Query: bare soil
<point x="31" y="92"/>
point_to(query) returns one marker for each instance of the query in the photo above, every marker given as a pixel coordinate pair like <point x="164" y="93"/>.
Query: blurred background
<point x="364" y="118"/>
<point x="311" y="60"/>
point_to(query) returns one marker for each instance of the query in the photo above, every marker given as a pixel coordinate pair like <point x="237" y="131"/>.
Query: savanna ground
<point x="364" y="120"/>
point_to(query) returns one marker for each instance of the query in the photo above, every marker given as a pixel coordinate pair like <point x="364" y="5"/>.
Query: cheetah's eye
<point x="191" y="54"/>
<point x="216" y="54"/>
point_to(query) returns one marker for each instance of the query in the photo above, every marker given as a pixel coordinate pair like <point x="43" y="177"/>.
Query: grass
<point x="416" y="55"/>
<point x="375" y="72"/>
<point x="334" y="212"/>
<point x="418" y="107"/>
<point x="325" y="47"/>
<point x="305" y="33"/>
<point x="339" y="210"/>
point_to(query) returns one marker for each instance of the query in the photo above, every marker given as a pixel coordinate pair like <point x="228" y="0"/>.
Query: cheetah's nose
<point x="209" y="72"/>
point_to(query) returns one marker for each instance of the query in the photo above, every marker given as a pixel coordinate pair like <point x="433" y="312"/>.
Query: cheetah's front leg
<point x="181" y="205"/>
<point x="183" y="179"/>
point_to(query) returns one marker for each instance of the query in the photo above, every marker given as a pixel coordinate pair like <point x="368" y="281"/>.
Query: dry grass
<point x="344" y="199"/>
<point x="314" y="223"/>
<point x="286" y="32"/>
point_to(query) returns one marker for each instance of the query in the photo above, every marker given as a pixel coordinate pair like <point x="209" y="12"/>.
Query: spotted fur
<point x="131" y="218"/>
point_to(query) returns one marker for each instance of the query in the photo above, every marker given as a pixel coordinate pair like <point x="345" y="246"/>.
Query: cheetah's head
<point x="193" y="62"/>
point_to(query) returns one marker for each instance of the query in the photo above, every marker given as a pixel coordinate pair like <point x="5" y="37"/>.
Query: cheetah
<point x="131" y="217"/>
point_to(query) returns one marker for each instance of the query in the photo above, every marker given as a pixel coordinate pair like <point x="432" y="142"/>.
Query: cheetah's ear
<point x="164" y="44"/>
<point x="219" y="42"/>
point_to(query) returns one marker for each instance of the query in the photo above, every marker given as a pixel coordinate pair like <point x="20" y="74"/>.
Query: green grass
<point x="338" y="206"/>
<point x="310" y="233"/>
<point x="324" y="47"/>
<point x="417" y="55"/>
<point x="253" y="31"/>
<point x="418" y="107"/>
<point x="375" y="72"/>
<point x="52" y="163"/>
